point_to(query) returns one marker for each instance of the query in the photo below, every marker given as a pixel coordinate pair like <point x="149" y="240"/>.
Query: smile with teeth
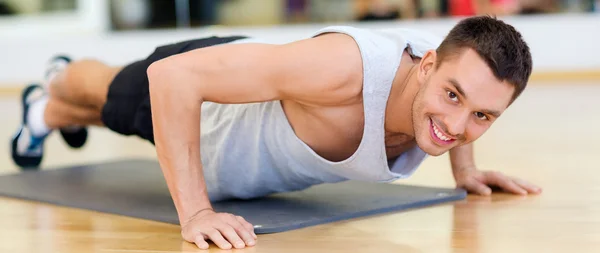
<point x="440" y="134"/>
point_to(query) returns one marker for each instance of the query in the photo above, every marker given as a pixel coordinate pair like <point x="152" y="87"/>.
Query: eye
<point x="452" y="96"/>
<point x="481" y="116"/>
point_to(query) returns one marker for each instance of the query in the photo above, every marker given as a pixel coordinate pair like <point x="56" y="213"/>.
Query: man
<point x="234" y="118"/>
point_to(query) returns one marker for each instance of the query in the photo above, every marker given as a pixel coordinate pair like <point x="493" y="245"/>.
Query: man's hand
<point x="223" y="229"/>
<point x="468" y="177"/>
<point x="479" y="182"/>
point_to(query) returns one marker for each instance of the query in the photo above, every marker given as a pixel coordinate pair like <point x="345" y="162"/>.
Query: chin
<point x="432" y="151"/>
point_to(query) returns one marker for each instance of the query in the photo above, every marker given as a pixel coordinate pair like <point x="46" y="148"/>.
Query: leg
<point x="118" y="94"/>
<point x="83" y="83"/>
<point x="77" y="92"/>
<point x="89" y="92"/>
<point x="60" y="114"/>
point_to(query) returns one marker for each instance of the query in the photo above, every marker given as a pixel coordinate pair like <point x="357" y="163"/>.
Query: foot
<point x="28" y="149"/>
<point x="74" y="136"/>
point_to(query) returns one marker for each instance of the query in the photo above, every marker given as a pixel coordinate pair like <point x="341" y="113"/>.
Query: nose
<point x="458" y="124"/>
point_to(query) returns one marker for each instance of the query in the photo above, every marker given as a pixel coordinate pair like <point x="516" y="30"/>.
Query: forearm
<point x="176" y="122"/>
<point x="462" y="158"/>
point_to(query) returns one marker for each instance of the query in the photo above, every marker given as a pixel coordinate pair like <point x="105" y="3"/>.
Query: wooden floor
<point x="549" y="136"/>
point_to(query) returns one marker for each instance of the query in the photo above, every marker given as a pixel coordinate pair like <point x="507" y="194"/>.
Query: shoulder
<point x="326" y="69"/>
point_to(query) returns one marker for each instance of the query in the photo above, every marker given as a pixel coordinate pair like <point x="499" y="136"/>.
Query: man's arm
<point x="462" y="158"/>
<point x="314" y="71"/>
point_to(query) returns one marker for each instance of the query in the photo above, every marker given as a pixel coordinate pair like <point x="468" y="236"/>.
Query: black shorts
<point x="127" y="110"/>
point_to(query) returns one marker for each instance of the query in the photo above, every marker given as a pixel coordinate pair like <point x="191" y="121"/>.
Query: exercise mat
<point x="136" y="188"/>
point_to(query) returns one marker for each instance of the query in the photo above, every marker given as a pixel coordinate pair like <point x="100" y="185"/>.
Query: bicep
<point x="326" y="69"/>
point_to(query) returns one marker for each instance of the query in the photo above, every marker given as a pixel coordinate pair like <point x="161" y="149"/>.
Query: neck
<point x="399" y="107"/>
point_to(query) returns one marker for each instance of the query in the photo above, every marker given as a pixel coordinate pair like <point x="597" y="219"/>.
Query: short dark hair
<point x="499" y="44"/>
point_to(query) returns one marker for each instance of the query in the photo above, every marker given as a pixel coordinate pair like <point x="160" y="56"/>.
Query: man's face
<point x="457" y="101"/>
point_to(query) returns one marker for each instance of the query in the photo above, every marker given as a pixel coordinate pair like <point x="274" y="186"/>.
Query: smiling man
<point x="236" y="117"/>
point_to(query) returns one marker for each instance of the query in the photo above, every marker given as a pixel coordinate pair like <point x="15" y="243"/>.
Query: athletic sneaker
<point x="75" y="136"/>
<point x="27" y="149"/>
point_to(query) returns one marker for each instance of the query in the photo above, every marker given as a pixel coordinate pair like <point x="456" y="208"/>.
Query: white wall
<point x="558" y="43"/>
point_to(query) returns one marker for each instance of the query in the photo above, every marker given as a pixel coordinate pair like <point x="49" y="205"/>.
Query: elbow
<point x="160" y="75"/>
<point x="157" y="72"/>
<point x="167" y="78"/>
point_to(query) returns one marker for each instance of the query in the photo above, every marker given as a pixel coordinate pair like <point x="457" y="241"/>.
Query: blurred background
<point x="563" y="34"/>
<point x="150" y="14"/>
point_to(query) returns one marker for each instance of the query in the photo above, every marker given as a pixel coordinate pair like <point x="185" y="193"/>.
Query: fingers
<point x="225" y="230"/>
<point x="243" y="232"/>
<point x="505" y="183"/>
<point x="477" y="187"/>
<point x="234" y="232"/>
<point x="200" y="242"/>
<point x="529" y="187"/>
<point x="232" y="236"/>
<point x="247" y="225"/>
<point x="216" y="237"/>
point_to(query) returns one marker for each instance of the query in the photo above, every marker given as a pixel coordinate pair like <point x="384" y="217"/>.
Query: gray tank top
<point x="250" y="150"/>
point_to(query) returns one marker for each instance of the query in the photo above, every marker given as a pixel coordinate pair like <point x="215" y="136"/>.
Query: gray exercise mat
<point x="136" y="188"/>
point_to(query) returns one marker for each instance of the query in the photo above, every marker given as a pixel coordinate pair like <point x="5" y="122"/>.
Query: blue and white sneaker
<point x="28" y="150"/>
<point x="75" y="137"/>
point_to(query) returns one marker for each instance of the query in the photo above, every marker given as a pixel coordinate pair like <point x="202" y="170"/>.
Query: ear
<point x="427" y="65"/>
